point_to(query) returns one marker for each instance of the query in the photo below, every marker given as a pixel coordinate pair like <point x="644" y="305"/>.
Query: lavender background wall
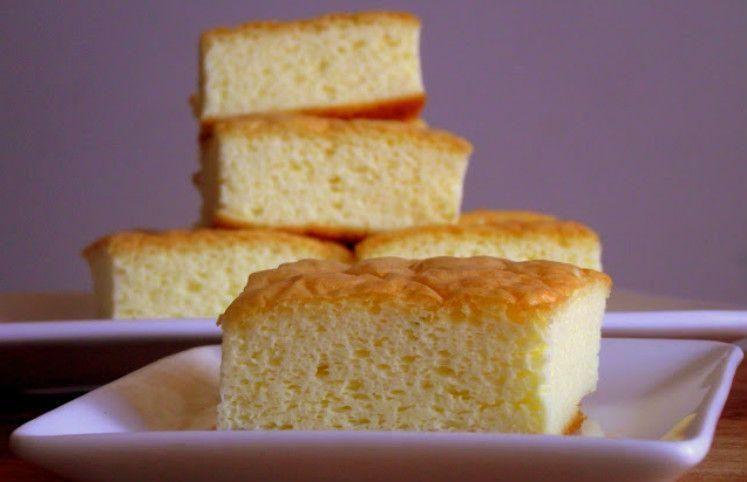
<point x="631" y="116"/>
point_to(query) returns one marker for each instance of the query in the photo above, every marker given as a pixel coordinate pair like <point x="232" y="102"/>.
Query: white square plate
<point x="658" y="402"/>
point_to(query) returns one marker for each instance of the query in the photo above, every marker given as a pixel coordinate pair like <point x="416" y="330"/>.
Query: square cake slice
<point x="518" y="236"/>
<point x="444" y="344"/>
<point x="184" y="274"/>
<point x="330" y="177"/>
<point x="339" y="65"/>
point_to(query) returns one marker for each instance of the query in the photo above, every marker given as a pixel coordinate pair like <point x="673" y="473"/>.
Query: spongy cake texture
<point x="181" y="273"/>
<point x="473" y="344"/>
<point x="330" y="177"/>
<point x="345" y="65"/>
<point x="520" y="237"/>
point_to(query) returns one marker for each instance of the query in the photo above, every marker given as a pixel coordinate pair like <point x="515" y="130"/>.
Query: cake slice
<point x="488" y="235"/>
<point x="339" y="65"/>
<point x="183" y="274"/>
<point x="449" y="344"/>
<point x="330" y="177"/>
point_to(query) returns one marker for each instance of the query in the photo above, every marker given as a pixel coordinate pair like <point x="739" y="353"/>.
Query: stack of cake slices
<point x="310" y="142"/>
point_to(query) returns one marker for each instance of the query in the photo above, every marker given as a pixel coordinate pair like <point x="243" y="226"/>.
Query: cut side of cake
<point x="517" y="240"/>
<point x="339" y="65"/>
<point x="445" y="344"/>
<point x="183" y="274"/>
<point x="333" y="178"/>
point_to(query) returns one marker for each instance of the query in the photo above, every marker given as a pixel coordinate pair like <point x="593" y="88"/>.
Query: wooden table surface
<point x="726" y="461"/>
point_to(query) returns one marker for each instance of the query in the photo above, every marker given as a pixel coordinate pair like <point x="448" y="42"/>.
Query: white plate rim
<point x="717" y="325"/>
<point x="685" y="452"/>
<point x="702" y="324"/>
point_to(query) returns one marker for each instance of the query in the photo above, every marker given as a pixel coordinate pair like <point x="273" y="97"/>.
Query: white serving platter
<point x="657" y="403"/>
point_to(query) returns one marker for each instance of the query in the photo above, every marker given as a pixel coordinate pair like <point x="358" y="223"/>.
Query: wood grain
<point x="727" y="460"/>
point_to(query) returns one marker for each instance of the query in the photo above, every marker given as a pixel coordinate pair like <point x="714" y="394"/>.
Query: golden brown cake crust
<point x="562" y="231"/>
<point x="493" y="216"/>
<point x="400" y="108"/>
<point x="574" y="426"/>
<point x="521" y="289"/>
<point x="340" y="234"/>
<point x="134" y="240"/>
<point x="314" y="24"/>
<point x="342" y="128"/>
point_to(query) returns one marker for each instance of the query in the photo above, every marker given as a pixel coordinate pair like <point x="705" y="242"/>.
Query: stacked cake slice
<point x="307" y="128"/>
<point x="340" y="65"/>
<point x="185" y="273"/>
<point x="520" y="236"/>
<point x="334" y="178"/>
